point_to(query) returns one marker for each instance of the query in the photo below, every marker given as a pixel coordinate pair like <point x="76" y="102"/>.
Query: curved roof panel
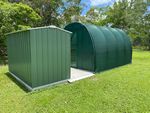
<point x="111" y="46"/>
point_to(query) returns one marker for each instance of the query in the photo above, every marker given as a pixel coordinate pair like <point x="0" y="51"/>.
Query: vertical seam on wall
<point x="30" y="58"/>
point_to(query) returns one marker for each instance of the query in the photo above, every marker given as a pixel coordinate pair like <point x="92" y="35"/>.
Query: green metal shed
<point x="98" y="48"/>
<point x="40" y="56"/>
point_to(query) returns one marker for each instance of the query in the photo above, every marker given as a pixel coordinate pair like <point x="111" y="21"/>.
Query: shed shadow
<point x="16" y="82"/>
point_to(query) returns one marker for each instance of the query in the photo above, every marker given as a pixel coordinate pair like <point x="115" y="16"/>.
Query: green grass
<point x="125" y="89"/>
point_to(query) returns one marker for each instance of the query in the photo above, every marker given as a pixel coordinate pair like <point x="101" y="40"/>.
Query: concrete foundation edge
<point x="36" y="88"/>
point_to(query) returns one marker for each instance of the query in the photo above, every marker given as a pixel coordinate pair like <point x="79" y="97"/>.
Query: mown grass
<point x="125" y="89"/>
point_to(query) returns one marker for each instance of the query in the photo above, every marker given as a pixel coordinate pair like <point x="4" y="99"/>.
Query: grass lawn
<point x="125" y="89"/>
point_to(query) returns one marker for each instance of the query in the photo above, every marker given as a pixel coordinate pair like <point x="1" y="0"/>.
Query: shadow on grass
<point x="16" y="82"/>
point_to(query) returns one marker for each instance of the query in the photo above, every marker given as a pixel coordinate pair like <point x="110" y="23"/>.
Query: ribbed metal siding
<point x="120" y="50"/>
<point x="99" y="46"/>
<point x="111" y="47"/>
<point x="128" y="47"/>
<point x="19" y="58"/>
<point x="114" y="43"/>
<point x="39" y="56"/>
<point x="50" y="56"/>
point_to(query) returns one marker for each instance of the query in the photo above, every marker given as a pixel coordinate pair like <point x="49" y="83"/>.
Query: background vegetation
<point x="131" y="16"/>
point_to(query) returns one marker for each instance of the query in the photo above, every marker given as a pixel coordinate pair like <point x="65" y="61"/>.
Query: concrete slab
<point x="78" y="74"/>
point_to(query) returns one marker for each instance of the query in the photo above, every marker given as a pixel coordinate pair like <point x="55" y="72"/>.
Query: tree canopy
<point x="15" y="17"/>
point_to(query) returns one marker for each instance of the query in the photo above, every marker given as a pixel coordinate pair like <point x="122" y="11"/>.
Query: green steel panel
<point x="101" y="53"/>
<point x="50" y="54"/>
<point x="19" y="58"/>
<point x="109" y="47"/>
<point x="120" y="48"/>
<point x="128" y="47"/>
<point x="43" y="55"/>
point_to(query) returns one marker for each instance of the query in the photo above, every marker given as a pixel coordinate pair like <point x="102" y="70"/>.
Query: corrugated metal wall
<point x="111" y="47"/>
<point x="19" y="57"/>
<point x="40" y="56"/>
<point x="50" y="51"/>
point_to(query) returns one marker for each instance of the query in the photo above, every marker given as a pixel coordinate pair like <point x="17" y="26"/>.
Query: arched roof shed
<point x="96" y="48"/>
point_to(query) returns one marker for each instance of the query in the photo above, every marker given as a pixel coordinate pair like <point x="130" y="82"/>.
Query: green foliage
<point x="96" y="16"/>
<point x="47" y="9"/>
<point x="20" y="14"/>
<point x="145" y="32"/>
<point x="116" y="15"/>
<point x="120" y="90"/>
<point x="71" y="11"/>
<point x="15" y="17"/>
<point x="57" y="12"/>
